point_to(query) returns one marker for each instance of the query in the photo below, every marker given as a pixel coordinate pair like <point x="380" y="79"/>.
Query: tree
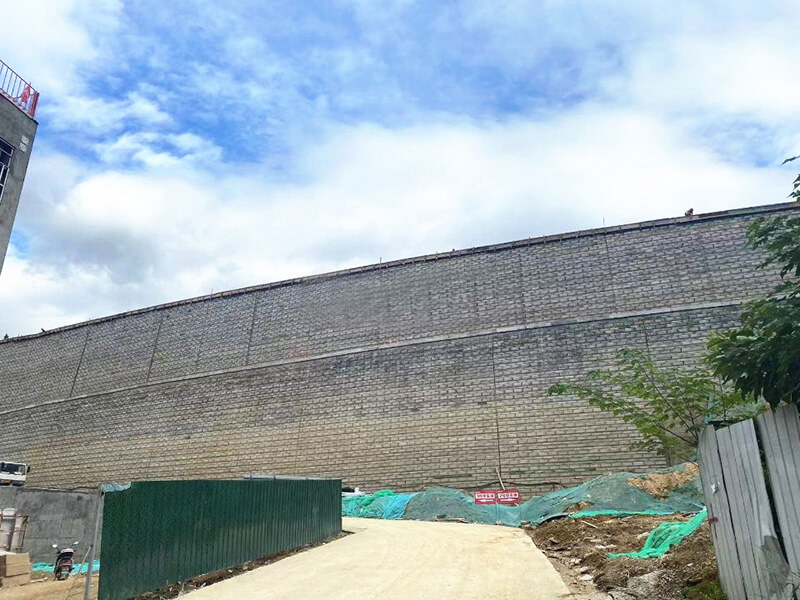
<point x="669" y="407"/>
<point x="762" y="357"/>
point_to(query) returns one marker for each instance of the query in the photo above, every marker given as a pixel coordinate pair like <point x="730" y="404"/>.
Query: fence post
<point x="719" y="516"/>
<point x="87" y="590"/>
<point x="780" y="438"/>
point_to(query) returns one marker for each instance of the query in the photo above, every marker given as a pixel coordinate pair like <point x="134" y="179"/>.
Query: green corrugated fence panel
<point x="160" y="532"/>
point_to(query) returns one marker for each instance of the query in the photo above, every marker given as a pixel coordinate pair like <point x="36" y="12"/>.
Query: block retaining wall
<point x="423" y="371"/>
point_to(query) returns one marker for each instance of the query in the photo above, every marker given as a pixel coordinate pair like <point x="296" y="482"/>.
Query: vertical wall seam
<point x="496" y="410"/>
<point x="252" y="327"/>
<point x="80" y="362"/>
<point x="646" y="339"/>
<point x="155" y="346"/>
<point x="611" y="282"/>
<point x="203" y="328"/>
<point x="521" y="280"/>
<point x="296" y="462"/>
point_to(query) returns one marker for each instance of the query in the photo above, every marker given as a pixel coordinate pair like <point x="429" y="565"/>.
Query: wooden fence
<point x="751" y="482"/>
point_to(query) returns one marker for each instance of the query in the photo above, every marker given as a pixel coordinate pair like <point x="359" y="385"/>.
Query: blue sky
<point x="186" y="146"/>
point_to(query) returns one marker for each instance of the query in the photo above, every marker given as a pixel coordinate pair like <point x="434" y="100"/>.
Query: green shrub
<point x="708" y="590"/>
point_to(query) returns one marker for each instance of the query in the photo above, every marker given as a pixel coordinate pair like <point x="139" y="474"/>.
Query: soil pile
<point x="580" y="549"/>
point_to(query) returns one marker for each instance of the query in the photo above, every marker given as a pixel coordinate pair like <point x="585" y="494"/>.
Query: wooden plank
<point x="719" y="516"/>
<point x="771" y="564"/>
<point x="789" y="424"/>
<point x="780" y="435"/>
<point x="742" y="513"/>
<point x="791" y="420"/>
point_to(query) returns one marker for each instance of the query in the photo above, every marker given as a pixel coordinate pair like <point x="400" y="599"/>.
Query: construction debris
<point x="576" y="549"/>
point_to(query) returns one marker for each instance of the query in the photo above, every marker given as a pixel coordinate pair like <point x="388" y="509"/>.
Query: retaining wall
<point x="417" y="372"/>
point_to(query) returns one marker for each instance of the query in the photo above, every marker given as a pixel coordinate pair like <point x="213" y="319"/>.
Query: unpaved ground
<point x="405" y="559"/>
<point x="71" y="589"/>
<point x="579" y="547"/>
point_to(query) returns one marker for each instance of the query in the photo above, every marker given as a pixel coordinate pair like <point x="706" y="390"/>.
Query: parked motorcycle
<point x="64" y="562"/>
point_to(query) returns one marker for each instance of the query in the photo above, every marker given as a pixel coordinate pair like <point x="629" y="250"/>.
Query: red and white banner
<point x="485" y="497"/>
<point x="508" y="496"/>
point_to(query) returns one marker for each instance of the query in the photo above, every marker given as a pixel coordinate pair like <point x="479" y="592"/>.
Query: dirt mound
<point x="583" y="545"/>
<point x="660" y="484"/>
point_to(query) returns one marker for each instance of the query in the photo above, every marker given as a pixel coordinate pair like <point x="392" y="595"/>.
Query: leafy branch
<point x="796" y="184"/>
<point x="668" y="407"/>
<point x="762" y="357"/>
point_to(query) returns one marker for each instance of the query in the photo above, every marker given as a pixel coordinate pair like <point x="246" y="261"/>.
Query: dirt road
<point x="72" y="589"/>
<point x="404" y="559"/>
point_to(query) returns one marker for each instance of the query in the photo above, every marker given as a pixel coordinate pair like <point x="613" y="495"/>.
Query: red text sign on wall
<point x="508" y="496"/>
<point x="485" y="497"/>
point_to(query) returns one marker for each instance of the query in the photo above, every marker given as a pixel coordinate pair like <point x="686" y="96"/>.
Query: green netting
<point x="619" y="513"/>
<point x="608" y="495"/>
<point x="437" y="504"/>
<point x="383" y="504"/>
<point x="665" y="536"/>
<point x="396" y="507"/>
<point x="613" y="495"/>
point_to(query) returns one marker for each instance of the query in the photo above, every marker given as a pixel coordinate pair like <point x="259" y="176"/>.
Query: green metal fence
<point x="160" y="532"/>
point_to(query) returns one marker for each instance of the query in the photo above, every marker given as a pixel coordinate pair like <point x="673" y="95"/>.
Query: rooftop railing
<point x="19" y="91"/>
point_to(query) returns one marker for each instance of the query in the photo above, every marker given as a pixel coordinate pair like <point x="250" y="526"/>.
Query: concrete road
<point x="404" y="560"/>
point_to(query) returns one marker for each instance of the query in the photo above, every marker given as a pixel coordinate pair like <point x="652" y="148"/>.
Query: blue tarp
<point x="77" y="568"/>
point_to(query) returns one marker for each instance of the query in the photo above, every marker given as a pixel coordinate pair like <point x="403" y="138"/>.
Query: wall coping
<point x="534" y="241"/>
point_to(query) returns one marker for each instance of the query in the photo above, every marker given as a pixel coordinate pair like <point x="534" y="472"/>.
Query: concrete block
<point x="14" y="564"/>
<point x="14" y="558"/>
<point x="15" y="580"/>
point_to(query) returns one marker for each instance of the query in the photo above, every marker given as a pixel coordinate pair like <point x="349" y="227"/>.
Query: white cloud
<point x="98" y="116"/>
<point x="160" y="151"/>
<point x="672" y="106"/>
<point x="109" y="241"/>
<point x="47" y="42"/>
<point x="750" y="72"/>
<point x="58" y="45"/>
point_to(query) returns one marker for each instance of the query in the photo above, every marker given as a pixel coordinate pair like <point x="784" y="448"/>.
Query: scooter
<point x="64" y="562"/>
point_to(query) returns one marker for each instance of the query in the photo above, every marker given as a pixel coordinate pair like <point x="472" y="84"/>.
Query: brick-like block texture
<point x="427" y="371"/>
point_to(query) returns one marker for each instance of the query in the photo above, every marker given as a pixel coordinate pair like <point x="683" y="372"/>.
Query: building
<point x="425" y="371"/>
<point x="18" y="102"/>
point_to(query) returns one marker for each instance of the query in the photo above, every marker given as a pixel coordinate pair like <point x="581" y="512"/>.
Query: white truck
<point x="13" y="473"/>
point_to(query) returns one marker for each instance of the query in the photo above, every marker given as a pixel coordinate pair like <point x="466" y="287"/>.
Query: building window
<point x="6" y="150"/>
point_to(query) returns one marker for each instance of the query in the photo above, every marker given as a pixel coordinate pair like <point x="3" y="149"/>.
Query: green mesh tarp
<point x="613" y="495"/>
<point x="610" y="512"/>
<point x="437" y="504"/>
<point x="383" y="504"/>
<point x="665" y="536"/>
<point x="608" y="495"/>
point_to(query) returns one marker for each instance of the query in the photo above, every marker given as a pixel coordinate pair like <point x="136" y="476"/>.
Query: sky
<point x="186" y="147"/>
